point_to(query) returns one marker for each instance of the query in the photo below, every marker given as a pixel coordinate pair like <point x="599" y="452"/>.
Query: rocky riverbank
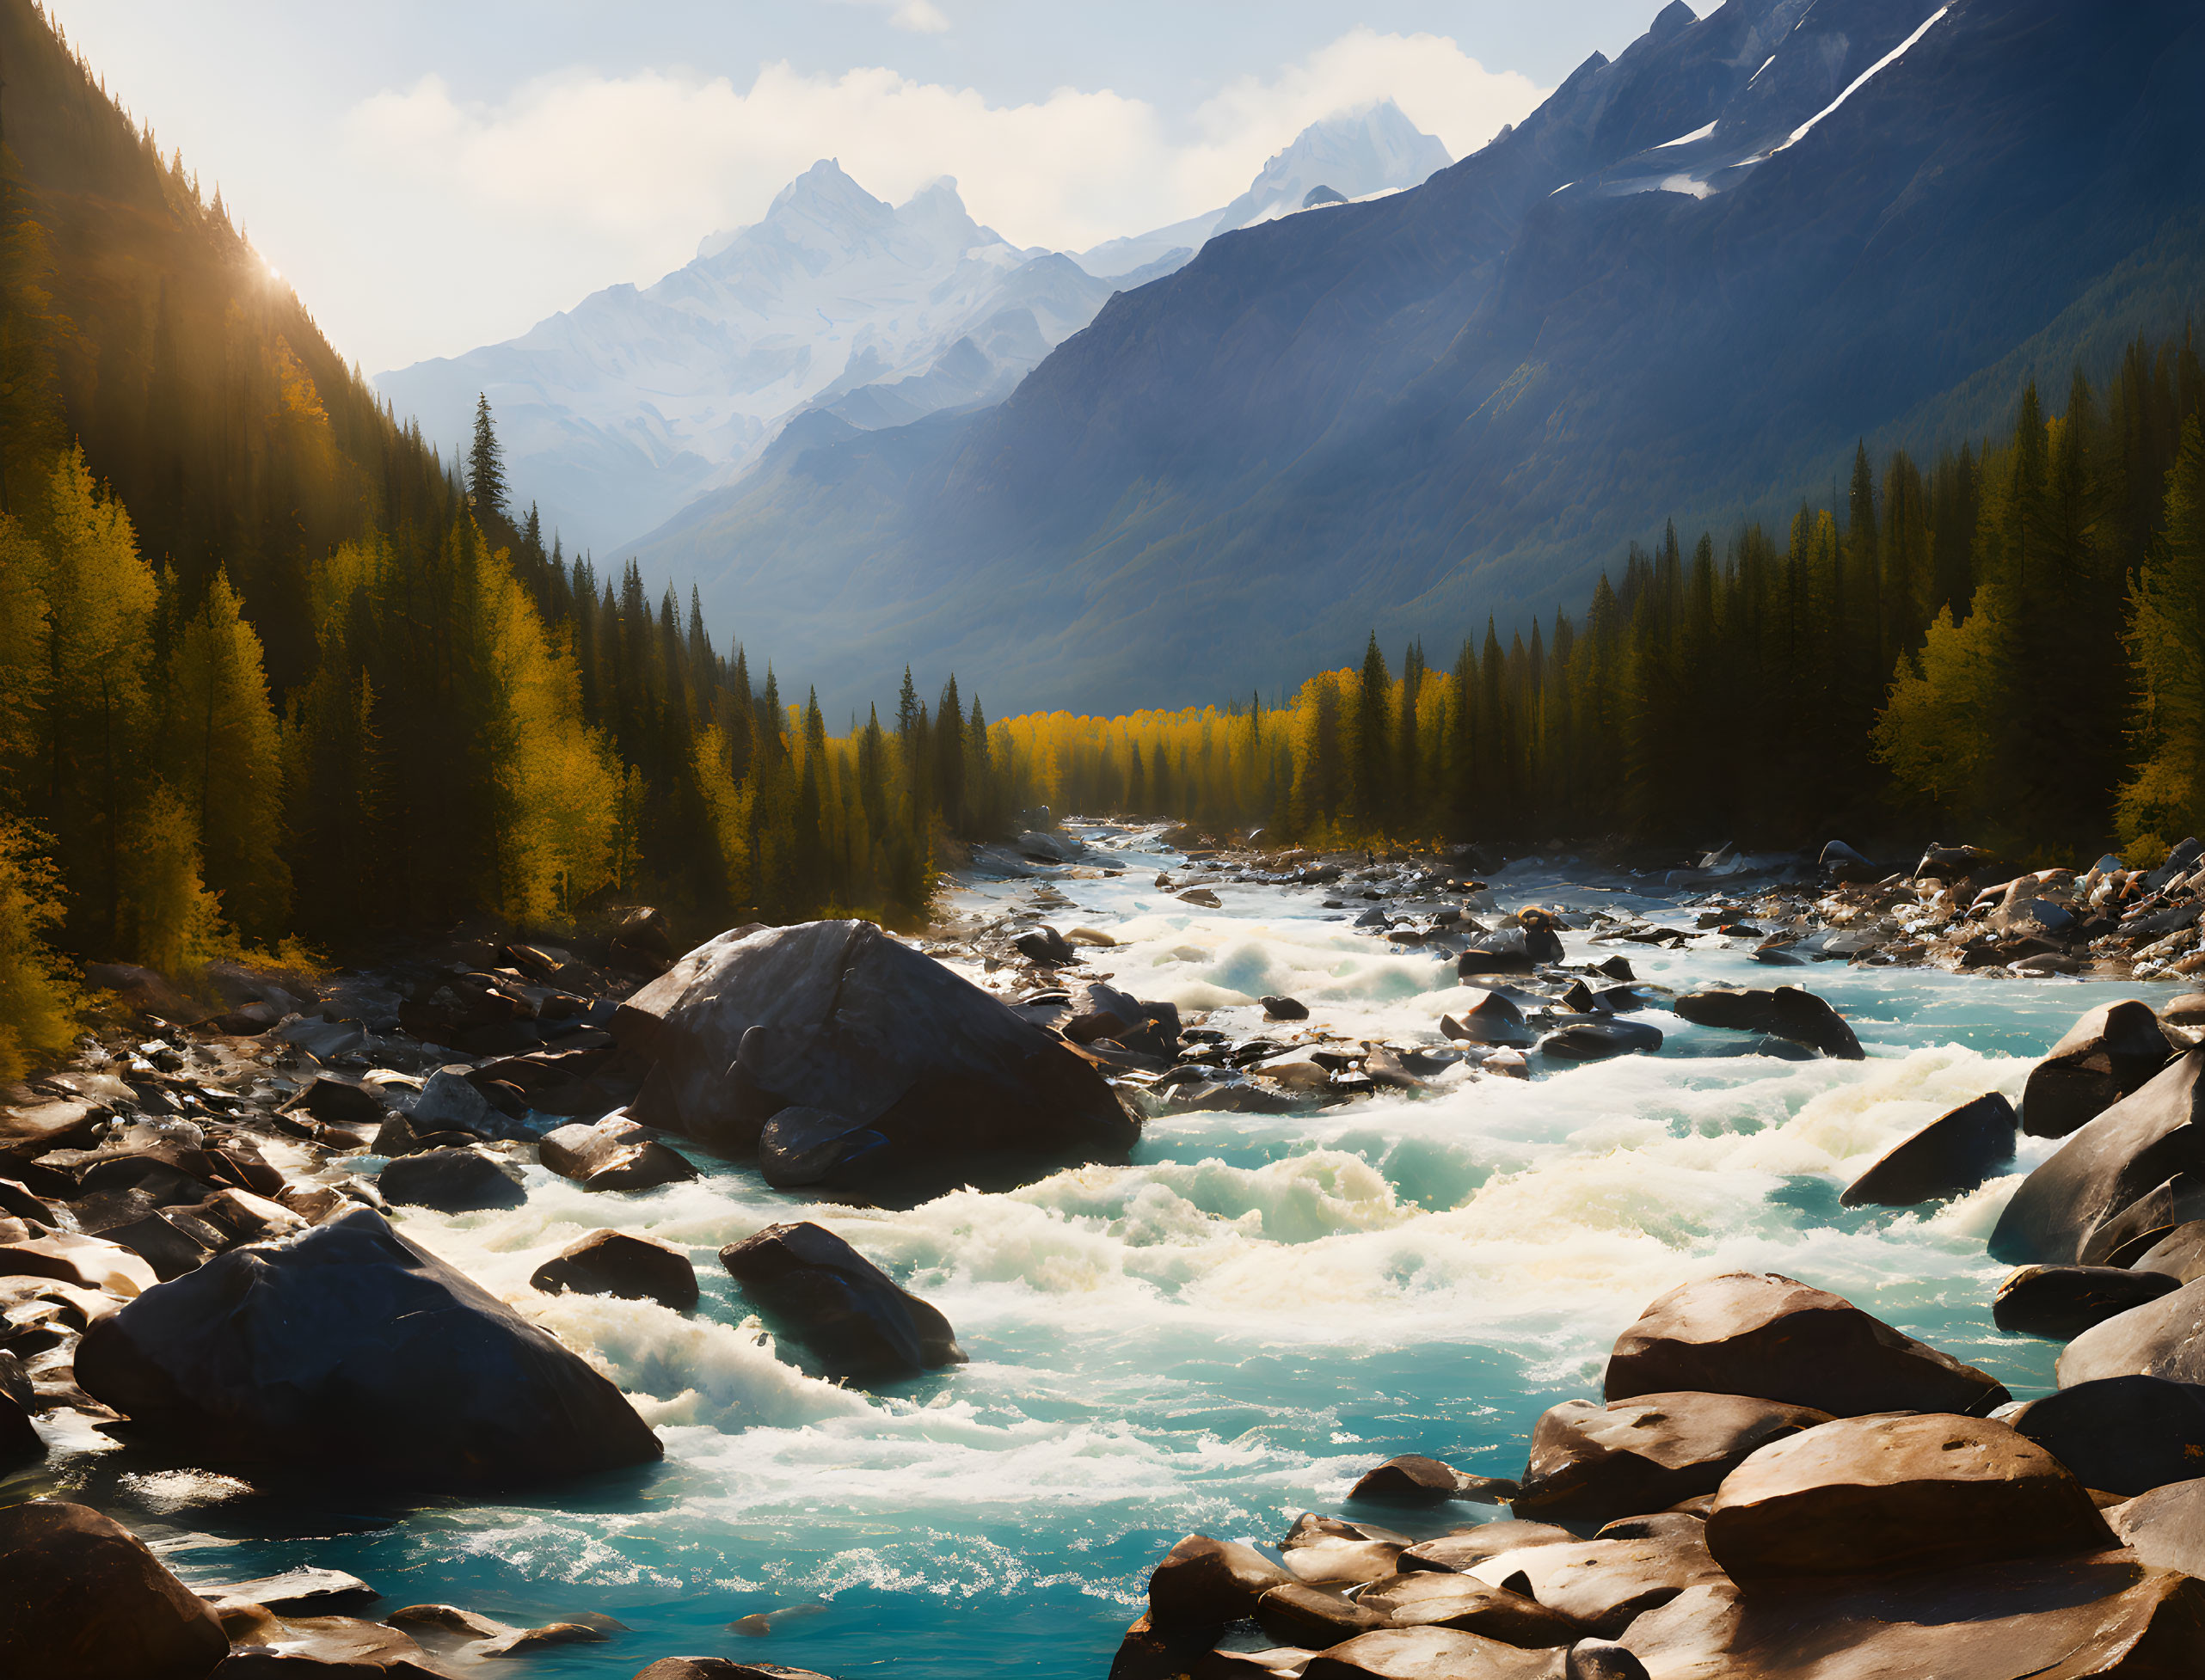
<point x="202" y="1183"/>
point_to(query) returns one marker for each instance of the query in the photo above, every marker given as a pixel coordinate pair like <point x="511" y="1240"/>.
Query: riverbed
<point x="1220" y="1335"/>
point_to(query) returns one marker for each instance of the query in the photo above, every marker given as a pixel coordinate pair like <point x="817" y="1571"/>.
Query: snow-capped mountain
<point x="619" y="412"/>
<point x="1356" y="153"/>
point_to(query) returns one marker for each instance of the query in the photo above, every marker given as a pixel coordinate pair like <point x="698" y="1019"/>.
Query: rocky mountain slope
<point x="1686" y="285"/>
<point x="618" y="412"/>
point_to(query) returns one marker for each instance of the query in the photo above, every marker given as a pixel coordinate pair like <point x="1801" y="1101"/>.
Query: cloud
<point x="630" y="171"/>
<point x="920" y="17"/>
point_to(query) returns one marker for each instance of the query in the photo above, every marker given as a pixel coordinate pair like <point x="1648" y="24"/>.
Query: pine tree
<point x="486" y="467"/>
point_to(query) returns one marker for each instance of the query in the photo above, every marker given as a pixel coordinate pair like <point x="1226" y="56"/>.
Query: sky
<point x="431" y="177"/>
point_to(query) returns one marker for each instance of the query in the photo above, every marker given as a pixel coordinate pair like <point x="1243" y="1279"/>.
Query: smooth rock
<point x="2162" y="1338"/>
<point x="619" y="1263"/>
<point x="1430" y="1653"/>
<point x="1595" y="1041"/>
<point x="88" y="1262"/>
<point x="265" y="1646"/>
<point x="1413" y="1479"/>
<point x="2058" y="1302"/>
<point x="2032" y="1619"/>
<point x="1787" y="1012"/>
<point x="1918" y="1491"/>
<point x="2179" y="1254"/>
<point x="840" y="1016"/>
<point x="1951" y="1155"/>
<point x="349" y="1342"/>
<point x="1284" y="1009"/>
<point x="2119" y="1434"/>
<point x="1337" y="1562"/>
<point x="722" y="1668"/>
<point x="2112" y="1051"/>
<point x="1603" y="1659"/>
<point x="1204" y="1582"/>
<point x="461" y="1180"/>
<point x="1311" y="1618"/>
<point x="801" y="1146"/>
<point x="1604" y="1584"/>
<point x="1491" y="1018"/>
<point x="308" y="1591"/>
<point x="20" y="1443"/>
<point x="1428" y="1599"/>
<point x="2145" y="1140"/>
<point x="82" y="1598"/>
<point x="1456" y="1554"/>
<point x="2166" y="1526"/>
<point x="1589" y="1462"/>
<point x="612" y="1154"/>
<point x="821" y="1291"/>
<point x="1775" y="1338"/>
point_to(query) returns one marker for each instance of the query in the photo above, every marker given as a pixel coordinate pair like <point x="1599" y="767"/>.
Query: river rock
<point x="1413" y="1479"/>
<point x="1284" y="1009"/>
<point x="452" y="1180"/>
<point x="1454" y="1554"/>
<point x="612" y="1154"/>
<point x="722" y="1668"/>
<point x="19" y="1443"/>
<point x="1204" y="1584"/>
<point x="2165" y="1527"/>
<point x="2058" y="1302"/>
<point x="2162" y="1338"/>
<point x="1339" y="1562"/>
<point x="266" y="1646"/>
<point x="1491" y="1018"/>
<point x="1595" y="1041"/>
<point x="307" y="1591"/>
<point x="1590" y="1462"/>
<point x="1429" y="1654"/>
<point x="1603" y="1659"/>
<point x="1775" y="1338"/>
<point x="1919" y="1491"/>
<point x="2112" y="1051"/>
<point x="608" y="1262"/>
<point x="2142" y="1141"/>
<point x="1506" y="951"/>
<point x="825" y="1294"/>
<point x="2178" y="1252"/>
<point x="804" y="1146"/>
<point x="840" y="1016"/>
<point x="1951" y="1155"/>
<point x="348" y="1342"/>
<point x="1787" y="1012"/>
<point x="1430" y="1598"/>
<point x="2029" y="1619"/>
<point x="1311" y="1618"/>
<point x="2119" y="1434"/>
<point x="82" y="1598"/>
<point x="1604" y="1584"/>
<point x="88" y="1262"/>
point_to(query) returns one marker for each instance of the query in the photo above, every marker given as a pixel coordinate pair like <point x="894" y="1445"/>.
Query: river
<point x="1218" y="1336"/>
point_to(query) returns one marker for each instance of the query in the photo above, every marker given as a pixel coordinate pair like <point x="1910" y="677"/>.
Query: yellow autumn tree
<point x="726" y="807"/>
<point x="221" y="749"/>
<point x="1936" y="731"/>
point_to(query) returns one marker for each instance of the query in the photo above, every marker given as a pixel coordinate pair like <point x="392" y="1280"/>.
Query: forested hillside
<point x="270" y="668"/>
<point x="2009" y="642"/>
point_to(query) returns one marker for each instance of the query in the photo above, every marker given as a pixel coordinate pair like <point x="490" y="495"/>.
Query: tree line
<point x="2007" y="643"/>
<point x="273" y="671"/>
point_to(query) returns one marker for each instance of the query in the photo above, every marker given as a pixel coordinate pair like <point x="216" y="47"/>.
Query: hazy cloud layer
<point x="642" y="165"/>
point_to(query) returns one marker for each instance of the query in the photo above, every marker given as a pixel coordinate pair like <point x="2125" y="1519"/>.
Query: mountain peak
<point x="823" y="190"/>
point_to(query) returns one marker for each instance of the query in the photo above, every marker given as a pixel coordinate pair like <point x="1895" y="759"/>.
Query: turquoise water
<point x="1220" y="1335"/>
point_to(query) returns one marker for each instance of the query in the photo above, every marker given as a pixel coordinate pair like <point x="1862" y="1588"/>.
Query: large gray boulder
<point x="1786" y="1012"/>
<point x="817" y="1291"/>
<point x="2068" y="1211"/>
<point x="1949" y="1156"/>
<point x="347" y="1344"/>
<point x="2162" y="1338"/>
<point x="82" y="1598"/>
<point x="1590" y="1462"/>
<point x="2104" y="1057"/>
<point x="840" y="1017"/>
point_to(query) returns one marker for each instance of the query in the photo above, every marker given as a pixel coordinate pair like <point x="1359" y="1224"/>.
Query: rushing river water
<point x="1220" y="1335"/>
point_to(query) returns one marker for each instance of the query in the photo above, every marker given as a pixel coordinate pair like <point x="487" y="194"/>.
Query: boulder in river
<point x="2165" y="1527"/>
<point x="1413" y="1479"/>
<point x="842" y="1017"/>
<point x="1606" y="1583"/>
<point x="1949" y="1156"/>
<point x="1204" y="1584"/>
<point x="722" y="1668"/>
<point x="819" y="1291"/>
<point x="2179" y="1253"/>
<point x="1492" y="1017"/>
<point x="347" y="1342"/>
<point x="1596" y="1040"/>
<point x="19" y="1443"/>
<point x="452" y="1180"/>
<point x="2121" y="1434"/>
<point x="615" y="1154"/>
<point x="609" y="1262"/>
<point x="2162" y="1338"/>
<point x="2064" y="1212"/>
<point x="1861" y="1496"/>
<point x="1786" y="1012"/>
<point x="1590" y="1462"/>
<point x="2100" y="1614"/>
<point x="1311" y="1618"/>
<point x="1428" y="1653"/>
<point x="1775" y="1338"/>
<point x="2112" y="1051"/>
<point x="1284" y="1009"/>
<point x="82" y="1598"/>
<point x="2058" y="1302"/>
<point x="1432" y="1599"/>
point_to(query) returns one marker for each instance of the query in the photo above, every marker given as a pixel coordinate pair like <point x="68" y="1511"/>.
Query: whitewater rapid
<point x="1221" y="1334"/>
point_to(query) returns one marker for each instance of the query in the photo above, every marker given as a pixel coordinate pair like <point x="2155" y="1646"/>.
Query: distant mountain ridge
<point x="1686" y="285"/>
<point x="620" y="411"/>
